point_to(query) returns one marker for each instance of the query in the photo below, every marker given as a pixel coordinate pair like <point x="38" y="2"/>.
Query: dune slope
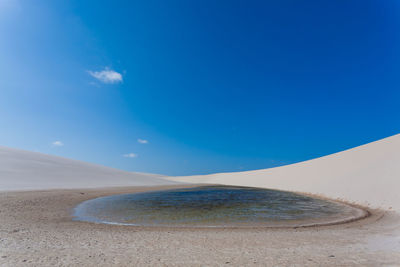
<point x="368" y="175"/>
<point x="24" y="170"/>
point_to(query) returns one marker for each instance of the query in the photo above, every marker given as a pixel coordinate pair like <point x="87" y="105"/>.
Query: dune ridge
<point x="368" y="175"/>
<point x="25" y="170"/>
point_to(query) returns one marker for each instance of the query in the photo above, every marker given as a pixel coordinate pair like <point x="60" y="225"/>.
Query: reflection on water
<point x="207" y="206"/>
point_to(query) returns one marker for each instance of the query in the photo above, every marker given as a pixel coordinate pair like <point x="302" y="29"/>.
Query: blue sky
<point x="193" y="87"/>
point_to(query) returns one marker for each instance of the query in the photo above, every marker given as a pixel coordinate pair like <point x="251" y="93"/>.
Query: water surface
<point x="209" y="206"/>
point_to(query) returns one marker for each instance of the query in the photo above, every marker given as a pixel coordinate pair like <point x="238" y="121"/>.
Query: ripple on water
<point x="213" y="206"/>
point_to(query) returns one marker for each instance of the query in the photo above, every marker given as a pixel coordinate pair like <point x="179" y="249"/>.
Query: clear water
<point x="208" y="206"/>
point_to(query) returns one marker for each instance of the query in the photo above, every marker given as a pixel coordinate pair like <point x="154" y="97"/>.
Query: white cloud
<point x="107" y="76"/>
<point x="57" y="143"/>
<point x="142" y="141"/>
<point x="130" y="155"/>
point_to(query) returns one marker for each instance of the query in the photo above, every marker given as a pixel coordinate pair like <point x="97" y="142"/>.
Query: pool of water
<point x="213" y="206"/>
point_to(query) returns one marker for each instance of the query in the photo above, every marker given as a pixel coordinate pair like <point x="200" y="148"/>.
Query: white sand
<point x="367" y="175"/>
<point x="37" y="228"/>
<point x="24" y="170"/>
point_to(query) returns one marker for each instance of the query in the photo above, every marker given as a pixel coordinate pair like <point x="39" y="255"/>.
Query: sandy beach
<point x="199" y="133"/>
<point x="37" y="230"/>
<point x="37" y="227"/>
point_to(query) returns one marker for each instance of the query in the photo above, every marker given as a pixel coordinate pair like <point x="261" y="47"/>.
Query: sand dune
<point x="24" y="170"/>
<point x="368" y="175"/>
<point x="37" y="227"/>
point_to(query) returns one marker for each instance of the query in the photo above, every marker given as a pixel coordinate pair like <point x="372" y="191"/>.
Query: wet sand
<point x="37" y="229"/>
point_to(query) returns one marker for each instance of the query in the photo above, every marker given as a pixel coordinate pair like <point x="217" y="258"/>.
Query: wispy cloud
<point x="142" y="141"/>
<point x="57" y="143"/>
<point x="130" y="155"/>
<point x="107" y="76"/>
